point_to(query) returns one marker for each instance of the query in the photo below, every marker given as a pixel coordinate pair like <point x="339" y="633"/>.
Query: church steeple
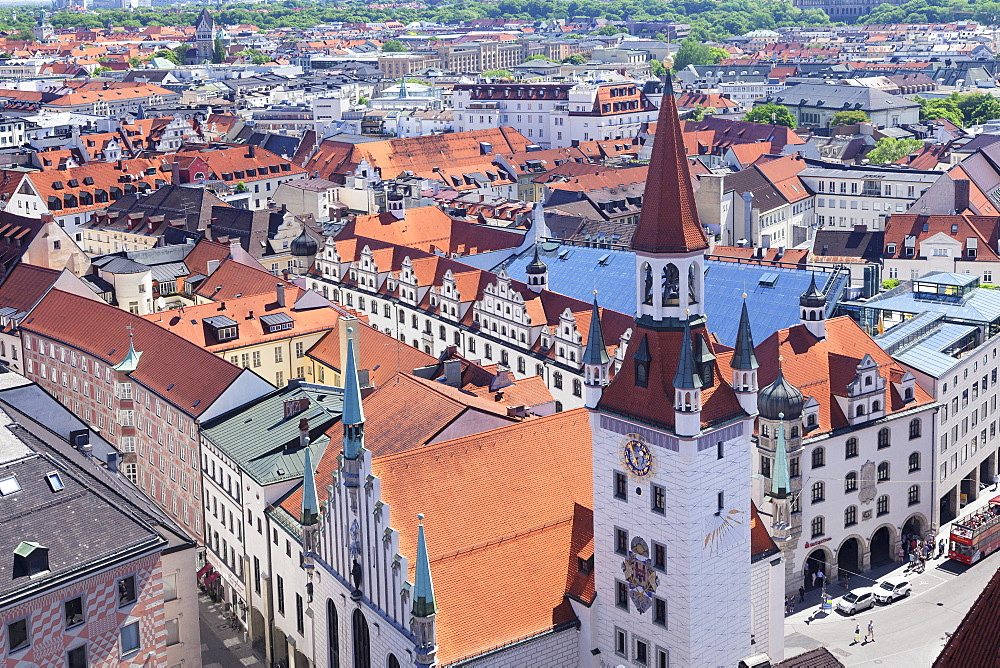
<point x="310" y="502"/>
<point x="596" y="361"/>
<point x="353" y="417"/>
<point x="669" y="242"/>
<point x="744" y="364"/>
<point x="812" y="303"/>
<point x="424" y="608"/>
<point x="687" y="388"/>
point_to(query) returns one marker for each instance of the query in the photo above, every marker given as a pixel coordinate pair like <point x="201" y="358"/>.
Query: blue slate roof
<point x="576" y="271"/>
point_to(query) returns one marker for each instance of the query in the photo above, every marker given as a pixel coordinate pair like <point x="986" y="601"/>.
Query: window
<point x="659" y="556"/>
<point x="883" y="471"/>
<point x="851" y="448"/>
<point x="913" y="495"/>
<point x="280" y="585"/>
<point x="299" y="614"/>
<point x="659" y="612"/>
<point x="556" y="378"/>
<point x="817" y="527"/>
<point x="641" y="651"/>
<point x="77" y="657"/>
<point x="333" y="633"/>
<point x="130" y="638"/>
<point x="850" y="516"/>
<point x="621" y="594"/>
<point x="659" y="499"/>
<point x="793" y="467"/>
<point x="818" y="492"/>
<point x="621" y="642"/>
<point x="914" y="462"/>
<point x="621" y="485"/>
<point x="818" y="457"/>
<point x="621" y="541"/>
<point x="17" y="635"/>
<point x="720" y="451"/>
<point x="882" y="505"/>
<point x="173" y="631"/>
<point x="662" y="658"/>
<point x="126" y="591"/>
<point x="883" y="437"/>
<point x="914" y="428"/>
<point x="74" y="612"/>
<point x="851" y="482"/>
<point x="299" y="349"/>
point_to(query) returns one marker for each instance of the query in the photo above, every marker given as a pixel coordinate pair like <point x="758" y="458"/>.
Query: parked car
<point x="892" y="588"/>
<point x="856" y="601"/>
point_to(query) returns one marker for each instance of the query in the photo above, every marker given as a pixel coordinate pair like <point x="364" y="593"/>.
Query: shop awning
<point x="204" y="569"/>
<point x="213" y="577"/>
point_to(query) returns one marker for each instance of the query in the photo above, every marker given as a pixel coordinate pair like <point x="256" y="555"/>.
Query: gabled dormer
<point x="221" y="328"/>
<point x="866" y="393"/>
<point x="907" y="387"/>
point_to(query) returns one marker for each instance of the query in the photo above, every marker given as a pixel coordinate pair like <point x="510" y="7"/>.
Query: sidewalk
<point x="221" y="645"/>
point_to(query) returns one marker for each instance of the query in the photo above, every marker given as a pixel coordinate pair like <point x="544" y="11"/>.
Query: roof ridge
<point x="496" y="541"/>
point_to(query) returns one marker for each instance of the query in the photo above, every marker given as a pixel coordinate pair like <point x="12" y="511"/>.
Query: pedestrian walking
<point x="819" y="579"/>
<point x="806" y="576"/>
<point x="940" y="548"/>
<point x="857" y="634"/>
<point x="871" y="631"/>
<point x="802" y="594"/>
<point x="899" y="555"/>
<point x="791" y="603"/>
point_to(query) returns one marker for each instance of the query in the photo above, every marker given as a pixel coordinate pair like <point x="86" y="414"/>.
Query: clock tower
<point x="671" y="449"/>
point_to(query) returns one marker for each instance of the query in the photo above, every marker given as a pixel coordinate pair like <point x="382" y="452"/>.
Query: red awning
<point x="213" y="577"/>
<point x="204" y="569"/>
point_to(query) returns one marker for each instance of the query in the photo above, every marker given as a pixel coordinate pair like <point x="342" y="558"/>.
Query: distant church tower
<point x="671" y="453"/>
<point x="204" y="31"/>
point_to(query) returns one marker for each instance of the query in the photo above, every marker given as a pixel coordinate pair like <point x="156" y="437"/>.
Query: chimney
<point x="251" y="151"/>
<point x="961" y="195"/>
<point x="234" y="245"/>
<point x="303" y="432"/>
<point x="175" y="173"/>
<point x="453" y="372"/>
<point x="211" y="266"/>
<point x="280" y="291"/>
<point x="112" y="461"/>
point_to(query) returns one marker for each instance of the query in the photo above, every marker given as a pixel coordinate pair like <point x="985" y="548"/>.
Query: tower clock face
<point x="637" y="458"/>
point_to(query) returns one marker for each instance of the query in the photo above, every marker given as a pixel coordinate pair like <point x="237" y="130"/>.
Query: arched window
<point x="883" y="437"/>
<point x="818" y="492"/>
<point x="577" y="387"/>
<point x="817" y="527"/>
<point x="764" y="431"/>
<point x="647" y="284"/>
<point x="851" y="482"/>
<point x="361" y="641"/>
<point x="850" y="516"/>
<point x="882" y="505"/>
<point x="641" y="374"/>
<point x="692" y="284"/>
<point x="557" y="380"/>
<point x="851" y="448"/>
<point x="811" y="420"/>
<point x="914" y="428"/>
<point x="795" y="431"/>
<point x="914" y="462"/>
<point x="392" y="662"/>
<point x="333" y="633"/>
<point x="876" y="406"/>
<point x="883" y="471"/>
<point x="818" y="457"/>
<point x="670" y="286"/>
<point x="859" y="411"/>
<point x="908" y="394"/>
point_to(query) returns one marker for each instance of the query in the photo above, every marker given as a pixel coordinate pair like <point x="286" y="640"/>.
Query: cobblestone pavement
<point x="221" y="645"/>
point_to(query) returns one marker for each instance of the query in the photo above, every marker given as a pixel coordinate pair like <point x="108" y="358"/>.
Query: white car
<point x="892" y="588"/>
<point x="856" y="601"/>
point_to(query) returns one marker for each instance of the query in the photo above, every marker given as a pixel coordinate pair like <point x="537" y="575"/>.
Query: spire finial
<point x="424" y="604"/>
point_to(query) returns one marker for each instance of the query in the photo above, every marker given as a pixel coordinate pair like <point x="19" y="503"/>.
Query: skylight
<point x="55" y="481"/>
<point x="9" y="486"/>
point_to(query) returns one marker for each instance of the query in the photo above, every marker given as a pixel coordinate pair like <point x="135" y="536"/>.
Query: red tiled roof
<point x="375" y="349"/>
<point x="177" y="370"/>
<point x="669" y="221"/>
<point x="985" y="229"/>
<point x="233" y="278"/>
<point x="976" y="641"/>
<point x="25" y="285"/>
<point x="428" y="229"/>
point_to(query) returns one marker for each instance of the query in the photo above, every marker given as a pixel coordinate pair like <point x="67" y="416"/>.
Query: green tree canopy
<point x="693" y="52"/>
<point x="218" y="51"/>
<point x="656" y="68"/>
<point x="539" y="56"/>
<point x="852" y="117"/>
<point x="498" y="74"/>
<point x="393" y="46"/>
<point x="889" y="149"/>
<point x="771" y="114"/>
<point x="575" y="59"/>
<point x="168" y="54"/>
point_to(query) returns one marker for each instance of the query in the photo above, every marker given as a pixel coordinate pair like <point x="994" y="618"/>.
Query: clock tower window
<point x="621" y="486"/>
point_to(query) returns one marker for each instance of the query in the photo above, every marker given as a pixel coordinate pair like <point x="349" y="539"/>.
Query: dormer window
<point x="277" y="322"/>
<point x="222" y="328"/>
<point x="641" y="374"/>
<point x="30" y="559"/>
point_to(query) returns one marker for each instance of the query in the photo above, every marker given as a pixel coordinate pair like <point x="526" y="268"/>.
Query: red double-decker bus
<point x="977" y="535"/>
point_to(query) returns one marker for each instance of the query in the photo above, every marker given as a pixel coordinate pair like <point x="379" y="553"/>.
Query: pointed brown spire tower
<point x="670" y="246"/>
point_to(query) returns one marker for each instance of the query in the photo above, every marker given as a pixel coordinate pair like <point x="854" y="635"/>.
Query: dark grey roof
<point x="121" y="265"/>
<point x="864" y="245"/>
<point x="80" y="526"/>
<point x="173" y="202"/>
<point x="219" y="321"/>
<point x="97" y="284"/>
<point x="836" y="98"/>
<point x="780" y="400"/>
<point x="276" y="319"/>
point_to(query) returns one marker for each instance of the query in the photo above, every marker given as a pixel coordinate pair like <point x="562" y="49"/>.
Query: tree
<point x="610" y="31"/>
<point x="979" y="107"/>
<point x="98" y="71"/>
<point x="498" y="74"/>
<point x="168" y="54"/>
<point x="693" y="52"/>
<point x="699" y="113"/>
<point x="218" y="51"/>
<point x="656" y="68"/>
<point x="539" y="56"/>
<point x="771" y="114"/>
<point x="889" y="150"/>
<point x="890" y="283"/>
<point x="134" y="61"/>
<point x="181" y="50"/>
<point x="575" y="59"/>
<point x="393" y="46"/>
<point x="852" y="117"/>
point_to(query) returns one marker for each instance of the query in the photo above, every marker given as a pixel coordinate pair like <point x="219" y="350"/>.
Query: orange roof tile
<point x="375" y="349"/>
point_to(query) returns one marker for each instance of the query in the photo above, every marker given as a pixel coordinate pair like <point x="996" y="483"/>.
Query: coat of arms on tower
<point x="866" y="490"/>
<point x="640" y="576"/>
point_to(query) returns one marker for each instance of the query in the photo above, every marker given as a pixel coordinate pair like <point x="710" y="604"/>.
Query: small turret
<point x="687" y="388"/>
<point x="303" y="249"/>
<point x="596" y="361"/>
<point x="812" y="304"/>
<point x="424" y="605"/>
<point x="538" y="274"/>
<point x="744" y="364"/>
<point x="781" y="492"/>
<point x="353" y="418"/>
<point x="310" y="509"/>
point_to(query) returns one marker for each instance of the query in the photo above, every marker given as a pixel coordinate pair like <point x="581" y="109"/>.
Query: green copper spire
<point x="596" y="351"/>
<point x="354" y="415"/>
<point x="744" y="358"/>
<point x="131" y="360"/>
<point x="780" y="478"/>
<point x="687" y="372"/>
<point x="424" y="604"/>
<point x="310" y="503"/>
